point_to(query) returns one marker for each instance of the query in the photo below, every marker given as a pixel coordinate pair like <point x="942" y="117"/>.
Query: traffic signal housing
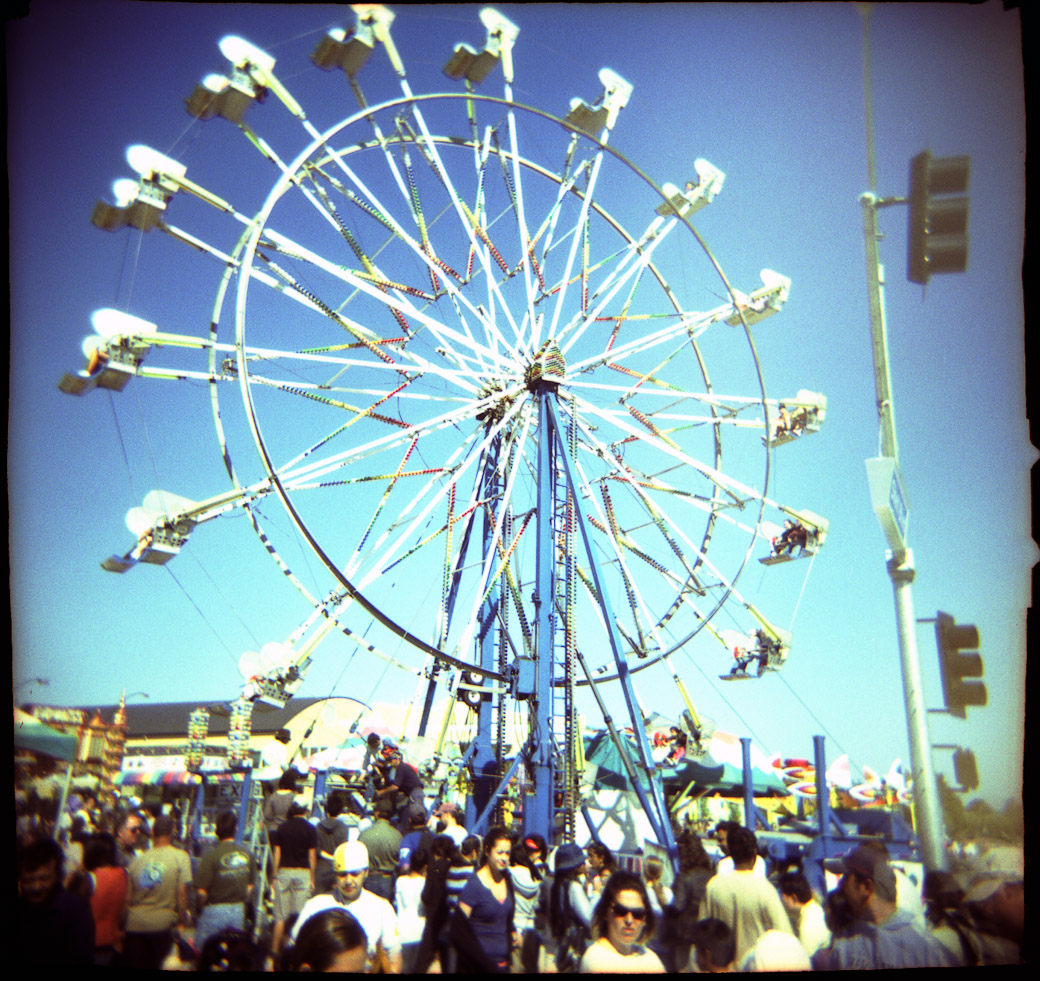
<point x="959" y="659"/>
<point x="966" y="769"/>
<point x="938" y="232"/>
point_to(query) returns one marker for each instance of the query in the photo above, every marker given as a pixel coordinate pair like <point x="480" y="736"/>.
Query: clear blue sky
<point x="772" y="95"/>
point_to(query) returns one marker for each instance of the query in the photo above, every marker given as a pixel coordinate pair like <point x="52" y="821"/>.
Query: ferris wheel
<point x="449" y="342"/>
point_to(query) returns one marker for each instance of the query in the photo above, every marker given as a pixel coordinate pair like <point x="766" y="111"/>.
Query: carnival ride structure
<point x="447" y="344"/>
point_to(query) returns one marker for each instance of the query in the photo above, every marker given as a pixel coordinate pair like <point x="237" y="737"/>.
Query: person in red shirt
<point x="108" y="882"/>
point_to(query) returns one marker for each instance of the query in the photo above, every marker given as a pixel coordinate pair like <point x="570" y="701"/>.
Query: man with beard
<point x="881" y="935"/>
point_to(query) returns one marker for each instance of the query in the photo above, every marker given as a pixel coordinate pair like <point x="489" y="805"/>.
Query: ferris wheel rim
<point x="252" y="238"/>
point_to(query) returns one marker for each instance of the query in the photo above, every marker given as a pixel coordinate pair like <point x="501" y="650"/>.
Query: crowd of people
<point x="390" y="888"/>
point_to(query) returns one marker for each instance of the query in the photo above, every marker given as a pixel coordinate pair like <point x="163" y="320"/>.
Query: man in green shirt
<point x="383" y="842"/>
<point x="223" y="883"/>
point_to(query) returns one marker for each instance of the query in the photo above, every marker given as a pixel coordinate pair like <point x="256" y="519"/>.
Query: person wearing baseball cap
<point x="995" y="897"/>
<point x="881" y="935"/>
<point x="450" y="815"/>
<point x="377" y="917"/>
<point x="570" y="908"/>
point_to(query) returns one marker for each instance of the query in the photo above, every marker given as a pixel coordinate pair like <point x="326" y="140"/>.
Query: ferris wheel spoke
<point x="501" y="568"/>
<point x="382" y="562"/>
<point x="457" y="469"/>
<point x="491" y="560"/>
<point x="622" y="274"/>
<point x="546" y="231"/>
<point x="736" y="489"/>
<point x="418" y="213"/>
<point x="551" y="221"/>
<point x="619" y="471"/>
<point x="648" y="386"/>
<point x="615" y="358"/>
<point x="466" y="219"/>
<point x="463" y="378"/>
<point x="275" y="283"/>
<point x="444" y="613"/>
<point x="516" y="195"/>
<point x="371" y="206"/>
<point x="478" y="504"/>
<point x="359" y="415"/>
<point x="445" y="334"/>
<point x="620" y="541"/>
<point x="690" y="324"/>
<point x="632" y="261"/>
<point x="297" y="362"/>
<point x="637" y="607"/>
<point x="370" y="270"/>
<point x="428" y="427"/>
<point x="391" y="483"/>
<point x="586" y="200"/>
<point x="677" y="531"/>
<point x="515" y="596"/>
<point x="697" y="502"/>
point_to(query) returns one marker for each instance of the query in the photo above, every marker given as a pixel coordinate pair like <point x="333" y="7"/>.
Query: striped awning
<point x="171" y="778"/>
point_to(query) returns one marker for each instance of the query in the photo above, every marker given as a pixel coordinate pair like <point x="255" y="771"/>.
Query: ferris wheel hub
<point x="547" y="366"/>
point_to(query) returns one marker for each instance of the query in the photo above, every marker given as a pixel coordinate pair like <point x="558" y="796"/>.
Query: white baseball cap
<point x="1000" y="865"/>
<point x="351" y="856"/>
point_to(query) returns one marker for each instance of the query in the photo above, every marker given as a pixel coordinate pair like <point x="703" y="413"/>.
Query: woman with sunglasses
<point x="622" y="923"/>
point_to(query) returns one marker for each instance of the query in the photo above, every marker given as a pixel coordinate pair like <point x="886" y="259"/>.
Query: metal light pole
<point x="890" y="504"/>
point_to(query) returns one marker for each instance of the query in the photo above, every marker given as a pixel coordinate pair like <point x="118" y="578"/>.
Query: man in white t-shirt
<point x="375" y="914"/>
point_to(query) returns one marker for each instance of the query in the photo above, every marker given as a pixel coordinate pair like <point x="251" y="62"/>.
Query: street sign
<point x="888" y="498"/>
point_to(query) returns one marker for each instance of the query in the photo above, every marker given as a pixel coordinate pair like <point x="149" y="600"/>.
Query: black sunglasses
<point x="621" y="912"/>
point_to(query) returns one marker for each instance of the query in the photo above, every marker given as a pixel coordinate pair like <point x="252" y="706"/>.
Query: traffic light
<point x="965" y="769"/>
<point x="938" y="239"/>
<point x="959" y="659"/>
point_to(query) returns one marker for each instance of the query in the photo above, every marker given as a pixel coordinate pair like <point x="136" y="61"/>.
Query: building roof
<point x="171" y="719"/>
